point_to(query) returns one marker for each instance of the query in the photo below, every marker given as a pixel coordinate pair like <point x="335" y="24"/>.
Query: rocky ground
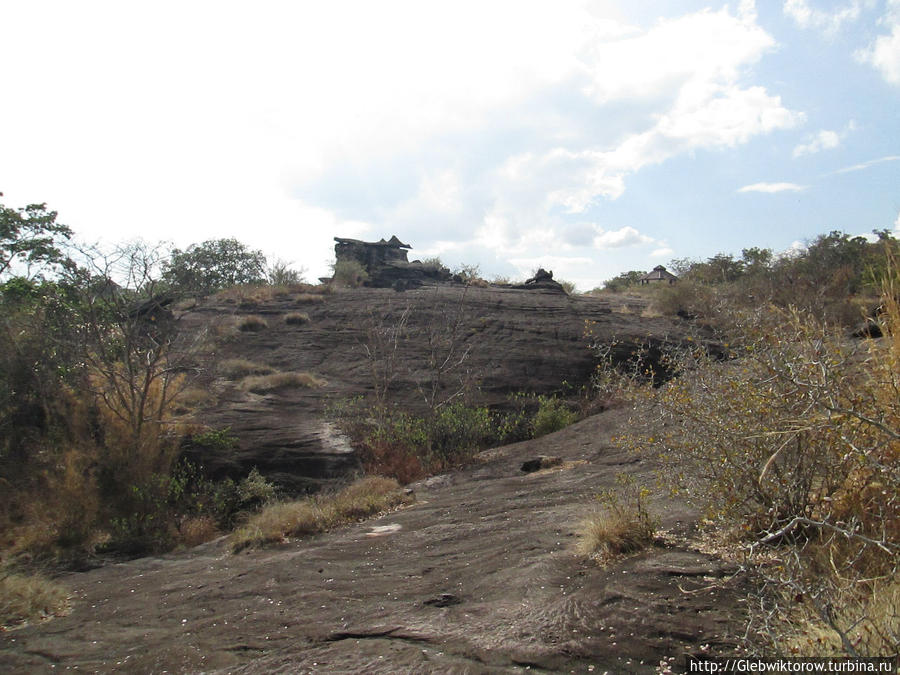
<point x="479" y="575"/>
<point x="516" y="340"/>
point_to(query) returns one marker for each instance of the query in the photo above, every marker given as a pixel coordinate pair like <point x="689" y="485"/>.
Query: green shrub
<point x="552" y="415"/>
<point x="215" y="439"/>
<point x="349" y="273"/>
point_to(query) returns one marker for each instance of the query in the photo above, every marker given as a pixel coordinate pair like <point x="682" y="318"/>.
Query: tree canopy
<point x="213" y="265"/>
<point x="31" y="240"/>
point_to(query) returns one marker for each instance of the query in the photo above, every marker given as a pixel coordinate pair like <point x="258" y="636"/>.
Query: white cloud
<point x="625" y="236"/>
<point x="828" y="22"/>
<point x="824" y="140"/>
<point x="870" y="163"/>
<point x="897" y="223"/>
<point x="773" y="187"/>
<point x="663" y="252"/>
<point x="884" y="53"/>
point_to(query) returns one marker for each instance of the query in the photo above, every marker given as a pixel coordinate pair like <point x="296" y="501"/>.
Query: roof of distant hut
<point x="659" y="273"/>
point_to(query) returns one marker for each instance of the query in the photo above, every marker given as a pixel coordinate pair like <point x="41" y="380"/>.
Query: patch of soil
<point x="478" y="576"/>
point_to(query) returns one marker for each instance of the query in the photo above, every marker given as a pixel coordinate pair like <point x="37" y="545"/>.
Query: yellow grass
<point x="25" y="599"/>
<point x="610" y="533"/>
<point x="296" y="318"/>
<point x="362" y="499"/>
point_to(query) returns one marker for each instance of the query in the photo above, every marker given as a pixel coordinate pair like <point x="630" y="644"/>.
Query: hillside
<point x="529" y="341"/>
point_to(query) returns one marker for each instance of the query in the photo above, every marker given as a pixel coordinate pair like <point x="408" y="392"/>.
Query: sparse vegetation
<point x="362" y="499"/>
<point x="29" y="598"/>
<point x="296" y="319"/>
<point x="280" y="273"/>
<point x="620" y="523"/>
<point x="262" y="384"/>
<point x="252" y="324"/>
<point x="235" y="369"/>
<point x="309" y="298"/>
<point x="568" y="286"/>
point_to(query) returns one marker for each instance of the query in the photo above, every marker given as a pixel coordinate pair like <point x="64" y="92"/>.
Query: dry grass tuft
<point x="309" y="298"/>
<point x="609" y="533"/>
<point x="197" y="530"/>
<point x="252" y="324"/>
<point x="235" y="369"/>
<point x="29" y="598"/>
<point x="362" y="499"/>
<point x="261" y="384"/>
<point x="296" y="319"/>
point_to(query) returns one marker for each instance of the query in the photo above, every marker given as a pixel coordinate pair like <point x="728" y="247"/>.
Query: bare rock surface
<point x="517" y="341"/>
<point x="478" y="576"/>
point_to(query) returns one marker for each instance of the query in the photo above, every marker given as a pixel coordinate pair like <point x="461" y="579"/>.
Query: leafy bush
<point x="349" y="273"/>
<point x="552" y="415"/>
<point x="214" y="265"/>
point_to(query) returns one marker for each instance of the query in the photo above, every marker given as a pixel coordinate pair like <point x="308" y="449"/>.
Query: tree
<point x="623" y="280"/>
<point x="214" y="265"/>
<point x="280" y="273"/>
<point x="31" y="237"/>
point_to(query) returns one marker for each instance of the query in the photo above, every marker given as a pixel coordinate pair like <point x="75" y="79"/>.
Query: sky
<point x="588" y="137"/>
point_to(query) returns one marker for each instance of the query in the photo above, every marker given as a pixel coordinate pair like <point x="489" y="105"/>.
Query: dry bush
<point x="235" y="369"/>
<point x="28" y="598"/>
<point x="252" y="324"/>
<point x="873" y="617"/>
<point x="366" y="497"/>
<point x="796" y="441"/>
<point x="296" y="319"/>
<point x="261" y="384"/>
<point x="394" y="460"/>
<point x="196" y="530"/>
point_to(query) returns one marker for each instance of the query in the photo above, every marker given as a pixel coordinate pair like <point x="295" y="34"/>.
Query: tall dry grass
<point x="275" y="523"/>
